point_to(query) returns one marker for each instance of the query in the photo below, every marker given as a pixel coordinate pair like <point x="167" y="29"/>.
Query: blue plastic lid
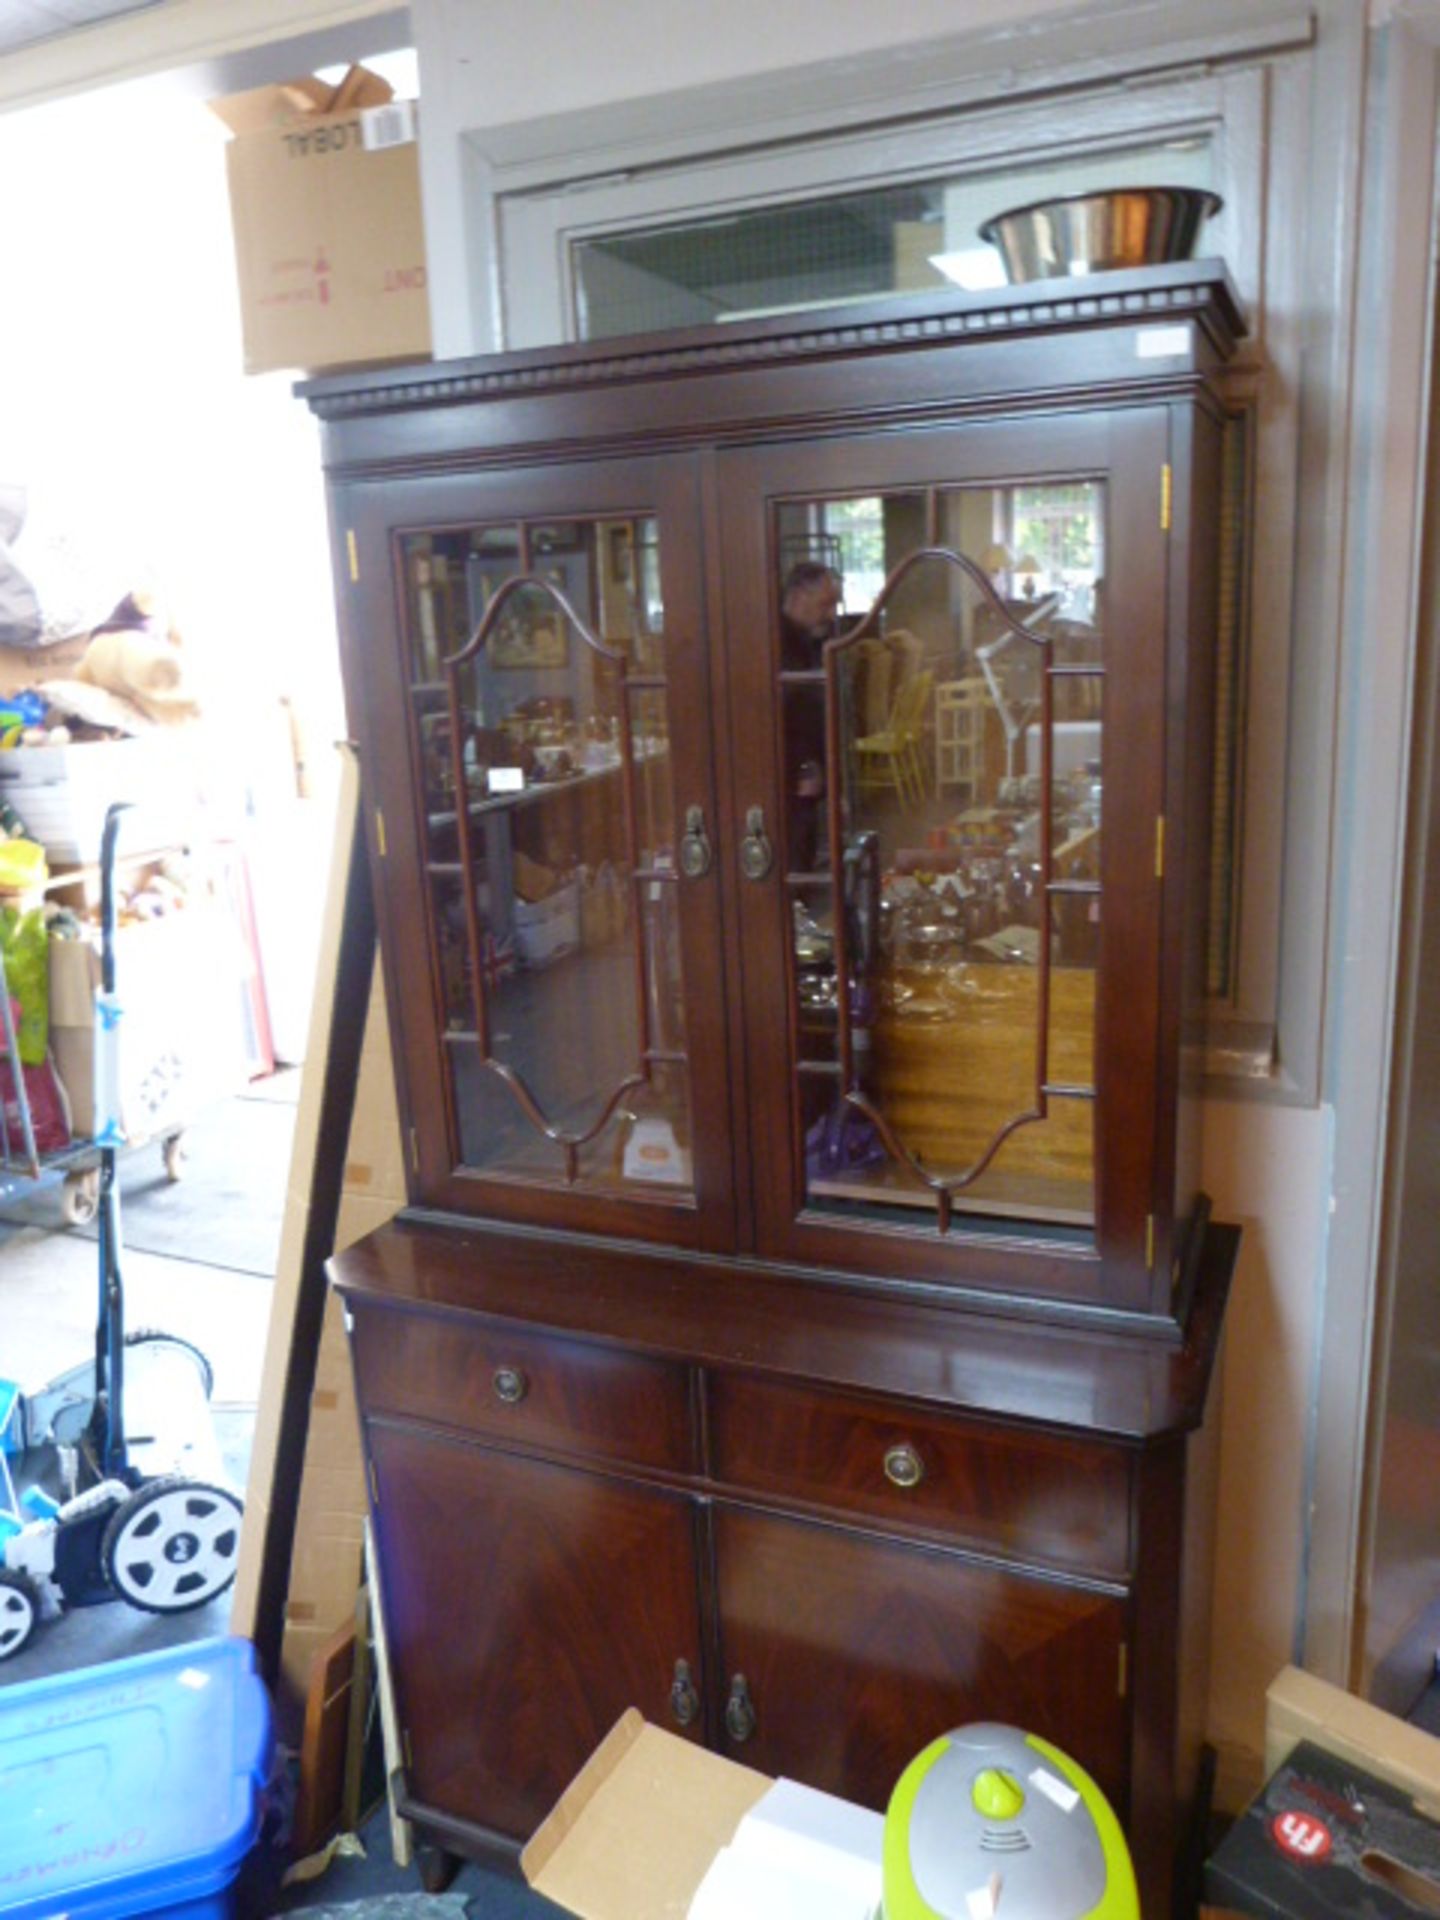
<point x="131" y="1787"/>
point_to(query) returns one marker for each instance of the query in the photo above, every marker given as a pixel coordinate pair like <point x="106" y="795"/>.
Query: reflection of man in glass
<point x="809" y="602"/>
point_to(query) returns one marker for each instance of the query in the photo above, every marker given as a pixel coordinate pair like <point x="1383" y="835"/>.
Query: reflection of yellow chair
<point x="892" y="757"/>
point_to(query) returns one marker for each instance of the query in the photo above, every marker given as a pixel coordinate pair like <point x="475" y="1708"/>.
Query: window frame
<point x="1259" y="92"/>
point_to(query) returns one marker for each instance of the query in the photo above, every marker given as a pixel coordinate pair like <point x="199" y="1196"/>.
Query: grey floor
<point x="199" y="1261"/>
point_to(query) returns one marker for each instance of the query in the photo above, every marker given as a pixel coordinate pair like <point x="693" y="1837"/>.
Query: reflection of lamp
<point x="1026" y="568"/>
<point x="997" y="559"/>
<point x="1012" y="668"/>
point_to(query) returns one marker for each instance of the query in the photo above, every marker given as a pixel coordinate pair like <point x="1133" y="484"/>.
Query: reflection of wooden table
<point x="956" y="1060"/>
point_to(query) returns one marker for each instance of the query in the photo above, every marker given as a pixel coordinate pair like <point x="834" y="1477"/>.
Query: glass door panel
<point x="940" y="691"/>
<point x="541" y="708"/>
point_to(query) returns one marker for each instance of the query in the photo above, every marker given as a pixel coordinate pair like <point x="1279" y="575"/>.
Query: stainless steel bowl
<point x="1095" y="232"/>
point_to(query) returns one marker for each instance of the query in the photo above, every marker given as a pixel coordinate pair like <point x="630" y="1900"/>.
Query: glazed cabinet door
<point x="948" y="670"/>
<point x="527" y="672"/>
<point x="527" y="1606"/>
<point x="842" y="1655"/>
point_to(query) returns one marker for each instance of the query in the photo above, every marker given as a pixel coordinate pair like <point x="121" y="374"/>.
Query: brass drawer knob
<point x="903" y="1466"/>
<point x="510" y="1385"/>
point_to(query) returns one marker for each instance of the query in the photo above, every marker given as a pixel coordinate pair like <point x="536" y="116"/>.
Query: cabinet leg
<point x="437" y="1868"/>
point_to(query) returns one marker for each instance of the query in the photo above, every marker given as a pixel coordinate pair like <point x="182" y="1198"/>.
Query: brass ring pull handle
<point x="510" y="1385"/>
<point x="757" y="856"/>
<point x="739" y="1711"/>
<point x="904" y="1467"/>
<point x="684" y="1700"/>
<point x="695" y="853"/>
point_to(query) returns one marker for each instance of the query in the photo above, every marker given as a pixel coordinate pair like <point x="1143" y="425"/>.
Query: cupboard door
<point x="526" y="1606"/>
<point x="532" y="697"/>
<point x="856" y="1652"/>
<point x="959" y="638"/>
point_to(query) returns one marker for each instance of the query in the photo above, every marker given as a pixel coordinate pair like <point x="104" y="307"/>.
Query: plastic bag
<point x="25" y="943"/>
<point x="55" y="579"/>
<point x="22" y="865"/>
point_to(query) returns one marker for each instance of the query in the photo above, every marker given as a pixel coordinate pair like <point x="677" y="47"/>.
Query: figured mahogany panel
<point x="1033" y="1495"/>
<point x="563" y="1396"/>
<point x="526" y="1607"/>
<point x="857" y="1652"/>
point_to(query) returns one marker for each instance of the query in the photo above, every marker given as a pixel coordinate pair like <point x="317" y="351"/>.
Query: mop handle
<point x="109" y="1127"/>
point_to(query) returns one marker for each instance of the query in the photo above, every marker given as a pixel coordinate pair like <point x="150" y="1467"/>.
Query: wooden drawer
<point x="563" y="1396"/>
<point x="1035" y="1497"/>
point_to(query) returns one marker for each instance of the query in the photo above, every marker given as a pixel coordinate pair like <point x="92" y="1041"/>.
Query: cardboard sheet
<point x="1300" y="1706"/>
<point x="634" y="1833"/>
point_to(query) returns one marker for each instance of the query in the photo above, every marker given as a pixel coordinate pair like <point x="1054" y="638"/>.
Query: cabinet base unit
<point x="788" y="767"/>
<point x="809" y="1527"/>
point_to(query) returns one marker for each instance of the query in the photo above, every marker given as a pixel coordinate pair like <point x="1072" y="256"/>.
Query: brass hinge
<point x="409" y="1750"/>
<point x="1166" y="487"/>
<point x="414" y="1150"/>
<point x="380" y="834"/>
<point x="1159" y="846"/>
<point x="374" y="1483"/>
<point x="1149" y="1240"/>
<point x="1124" y="1669"/>
<point x="353" y="553"/>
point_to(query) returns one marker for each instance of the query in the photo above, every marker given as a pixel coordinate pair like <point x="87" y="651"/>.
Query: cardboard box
<point x="1299" y="1706"/>
<point x="325" y="1566"/>
<point x="1326" y="1839"/>
<point x="655" y="1826"/>
<point x="635" y="1832"/>
<point x="329" y="235"/>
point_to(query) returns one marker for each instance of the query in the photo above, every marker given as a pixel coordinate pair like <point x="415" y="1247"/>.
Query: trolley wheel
<point x="80" y="1197"/>
<point x="156" y="1336"/>
<point x="173" y="1545"/>
<point x="19" y="1611"/>
<point x="174" y="1153"/>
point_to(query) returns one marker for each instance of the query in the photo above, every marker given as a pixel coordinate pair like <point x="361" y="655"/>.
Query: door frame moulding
<point x="1390" y="612"/>
<point x="1277" y="71"/>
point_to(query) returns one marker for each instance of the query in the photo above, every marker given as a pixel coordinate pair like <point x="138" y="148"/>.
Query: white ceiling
<point x="23" y="22"/>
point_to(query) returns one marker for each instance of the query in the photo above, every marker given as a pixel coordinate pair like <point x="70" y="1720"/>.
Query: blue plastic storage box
<point x="133" y="1788"/>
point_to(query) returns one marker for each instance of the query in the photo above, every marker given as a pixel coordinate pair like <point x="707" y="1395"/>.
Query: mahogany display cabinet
<point x="787" y="753"/>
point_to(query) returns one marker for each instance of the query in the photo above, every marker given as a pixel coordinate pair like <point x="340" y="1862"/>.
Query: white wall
<point x="508" y="61"/>
<point x="1266" y="1166"/>
<point x="127" y="414"/>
